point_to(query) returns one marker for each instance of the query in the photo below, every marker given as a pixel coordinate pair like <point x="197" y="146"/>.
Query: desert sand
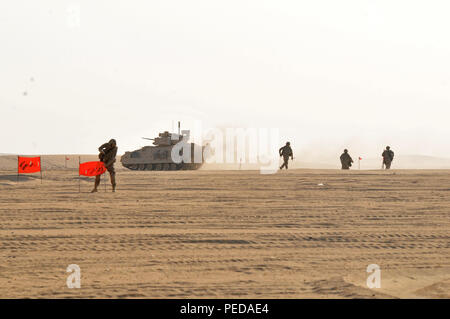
<point x="225" y="234"/>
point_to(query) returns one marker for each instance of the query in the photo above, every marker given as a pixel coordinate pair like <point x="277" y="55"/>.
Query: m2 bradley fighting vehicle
<point x="171" y="151"/>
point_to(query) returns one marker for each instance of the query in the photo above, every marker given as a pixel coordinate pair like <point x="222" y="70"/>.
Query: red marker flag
<point x="27" y="165"/>
<point x="360" y="158"/>
<point x="92" y="168"/>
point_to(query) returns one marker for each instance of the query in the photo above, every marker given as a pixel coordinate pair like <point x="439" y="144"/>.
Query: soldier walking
<point x="346" y="160"/>
<point x="388" y="157"/>
<point x="286" y="152"/>
<point x="108" y="152"/>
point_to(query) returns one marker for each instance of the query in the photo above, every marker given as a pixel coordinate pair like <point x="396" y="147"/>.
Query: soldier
<point x="286" y="152"/>
<point x="108" y="152"/>
<point x="388" y="157"/>
<point x="346" y="160"/>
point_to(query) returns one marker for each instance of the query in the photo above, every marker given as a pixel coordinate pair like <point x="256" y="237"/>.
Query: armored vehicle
<point x="160" y="156"/>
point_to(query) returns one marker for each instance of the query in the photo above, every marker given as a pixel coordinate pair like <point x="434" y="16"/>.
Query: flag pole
<point x="18" y="168"/>
<point x="79" y="178"/>
<point x="40" y="160"/>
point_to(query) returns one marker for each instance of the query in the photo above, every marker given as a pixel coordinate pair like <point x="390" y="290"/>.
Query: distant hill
<point x="421" y="161"/>
<point x="400" y="162"/>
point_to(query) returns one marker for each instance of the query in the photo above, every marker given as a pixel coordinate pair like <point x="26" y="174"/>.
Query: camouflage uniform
<point x="286" y="152"/>
<point x="388" y="157"/>
<point x="108" y="152"/>
<point x="346" y="160"/>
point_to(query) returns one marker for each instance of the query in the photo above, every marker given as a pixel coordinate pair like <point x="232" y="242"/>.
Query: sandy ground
<point x="227" y="234"/>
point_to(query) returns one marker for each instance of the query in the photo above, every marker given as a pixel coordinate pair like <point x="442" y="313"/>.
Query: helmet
<point x="113" y="142"/>
<point x="388" y="147"/>
<point x="346" y="151"/>
<point x="288" y="143"/>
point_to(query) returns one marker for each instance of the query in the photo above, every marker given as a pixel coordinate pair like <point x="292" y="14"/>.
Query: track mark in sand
<point x="223" y="237"/>
<point x="217" y="241"/>
<point x="337" y="287"/>
<point x="439" y="290"/>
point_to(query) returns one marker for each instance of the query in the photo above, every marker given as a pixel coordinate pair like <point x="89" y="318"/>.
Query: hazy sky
<point x="330" y="74"/>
